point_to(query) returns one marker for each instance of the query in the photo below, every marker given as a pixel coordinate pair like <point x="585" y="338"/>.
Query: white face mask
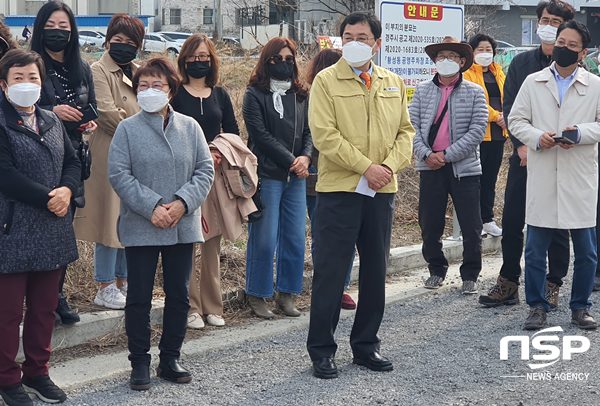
<point x="357" y="54"/>
<point x="547" y="34"/>
<point x="24" y="94"/>
<point x="446" y="67"/>
<point x="152" y="100"/>
<point x="484" y="59"/>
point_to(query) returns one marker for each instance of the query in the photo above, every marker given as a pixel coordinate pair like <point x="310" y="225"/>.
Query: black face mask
<point x="281" y="71"/>
<point x="56" y="40"/>
<point x="198" y="69"/>
<point x="564" y="57"/>
<point x="122" y="54"/>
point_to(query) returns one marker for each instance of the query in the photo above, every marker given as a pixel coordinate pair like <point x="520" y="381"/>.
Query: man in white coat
<point x="562" y="178"/>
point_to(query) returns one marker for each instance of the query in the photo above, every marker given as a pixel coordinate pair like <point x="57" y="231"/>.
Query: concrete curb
<point x="99" y="324"/>
<point x="88" y="371"/>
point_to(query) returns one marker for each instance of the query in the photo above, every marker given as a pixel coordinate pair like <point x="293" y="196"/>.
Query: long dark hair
<point x="260" y="75"/>
<point x="324" y="59"/>
<point x="72" y="57"/>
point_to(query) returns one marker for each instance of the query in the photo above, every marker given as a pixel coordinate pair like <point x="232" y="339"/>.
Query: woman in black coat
<point x="39" y="172"/>
<point x="68" y="91"/>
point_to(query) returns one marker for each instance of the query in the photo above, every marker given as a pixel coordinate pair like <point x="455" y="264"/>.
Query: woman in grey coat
<point x="161" y="168"/>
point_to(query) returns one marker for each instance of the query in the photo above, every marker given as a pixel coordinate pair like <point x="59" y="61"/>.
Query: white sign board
<point x="407" y="29"/>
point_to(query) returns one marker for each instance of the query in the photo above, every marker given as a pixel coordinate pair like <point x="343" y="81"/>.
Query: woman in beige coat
<point x="97" y="222"/>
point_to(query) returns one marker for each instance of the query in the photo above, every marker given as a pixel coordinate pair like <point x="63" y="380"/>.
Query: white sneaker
<point x="123" y="289"/>
<point x="215" y="320"/>
<point x="492" y="229"/>
<point x="195" y="321"/>
<point x="110" y="297"/>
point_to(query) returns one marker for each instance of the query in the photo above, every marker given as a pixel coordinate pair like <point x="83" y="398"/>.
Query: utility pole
<point x="218" y="16"/>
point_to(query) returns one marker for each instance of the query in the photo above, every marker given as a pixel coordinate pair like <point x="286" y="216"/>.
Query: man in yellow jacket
<point x="359" y="121"/>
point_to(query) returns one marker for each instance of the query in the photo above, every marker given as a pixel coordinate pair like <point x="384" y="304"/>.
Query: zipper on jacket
<point x="201" y="107"/>
<point x="9" y="217"/>
<point x="295" y="129"/>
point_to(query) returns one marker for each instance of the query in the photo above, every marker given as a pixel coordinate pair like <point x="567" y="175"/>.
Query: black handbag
<point x="258" y="214"/>
<point x="435" y="127"/>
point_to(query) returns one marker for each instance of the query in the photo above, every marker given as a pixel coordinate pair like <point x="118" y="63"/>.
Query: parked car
<point x="177" y="36"/>
<point x="160" y="43"/>
<point x="231" y="41"/>
<point x="504" y="44"/>
<point x="95" y="38"/>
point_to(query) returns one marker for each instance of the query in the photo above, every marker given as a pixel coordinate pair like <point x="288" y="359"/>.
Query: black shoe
<point x="67" y="315"/>
<point x="172" y="371"/>
<point x="325" y="368"/>
<point x="140" y="377"/>
<point x="375" y="362"/>
<point x="14" y="395"/>
<point x="45" y="389"/>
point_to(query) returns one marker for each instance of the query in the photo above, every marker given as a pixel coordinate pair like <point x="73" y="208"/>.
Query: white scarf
<point x="278" y="88"/>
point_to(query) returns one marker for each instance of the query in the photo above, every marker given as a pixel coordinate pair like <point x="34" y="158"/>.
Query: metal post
<point x="455" y="228"/>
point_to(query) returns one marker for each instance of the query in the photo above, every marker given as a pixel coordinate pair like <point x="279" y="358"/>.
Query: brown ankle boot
<point x="260" y="307"/>
<point x="504" y="292"/>
<point x="286" y="304"/>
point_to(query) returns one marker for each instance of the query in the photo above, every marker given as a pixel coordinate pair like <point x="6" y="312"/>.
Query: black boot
<point x="67" y="315"/>
<point x="172" y="371"/>
<point x="140" y="377"/>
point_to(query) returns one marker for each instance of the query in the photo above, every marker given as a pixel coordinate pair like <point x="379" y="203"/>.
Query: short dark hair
<point x="586" y="38"/>
<point x="122" y="23"/>
<point x="362" y="17"/>
<point x="157" y="67"/>
<point x="72" y="57"/>
<point x="556" y="7"/>
<point x="474" y="42"/>
<point x="20" y="58"/>
<point x="189" y="47"/>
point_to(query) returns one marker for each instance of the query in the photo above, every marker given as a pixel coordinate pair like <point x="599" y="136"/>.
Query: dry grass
<point x="234" y="74"/>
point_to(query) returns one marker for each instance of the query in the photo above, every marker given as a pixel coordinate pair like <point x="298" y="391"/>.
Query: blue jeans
<point x="280" y="233"/>
<point x="311" y="202"/>
<point x="109" y="263"/>
<point x="586" y="259"/>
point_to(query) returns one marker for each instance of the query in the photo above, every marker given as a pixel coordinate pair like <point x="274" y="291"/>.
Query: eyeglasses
<point x="361" y="38"/>
<point x="277" y="59"/>
<point x="555" y="22"/>
<point x="154" y="85"/>
<point x="197" y="58"/>
<point x="451" y="57"/>
<point x="571" y="45"/>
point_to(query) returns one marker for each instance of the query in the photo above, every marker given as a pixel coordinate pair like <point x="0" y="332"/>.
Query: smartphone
<point x="89" y="113"/>
<point x="567" y="137"/>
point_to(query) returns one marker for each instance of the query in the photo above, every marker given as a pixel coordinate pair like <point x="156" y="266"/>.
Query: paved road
<point x="445" y="350"/>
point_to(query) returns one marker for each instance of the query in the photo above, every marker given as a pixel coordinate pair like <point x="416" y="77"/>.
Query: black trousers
<point x="141" y="267"/>
<point x="343" y="220"/>
<point x="513" y="222"/>
<point x="491" y="153"/>
<point x="435" y="186"/>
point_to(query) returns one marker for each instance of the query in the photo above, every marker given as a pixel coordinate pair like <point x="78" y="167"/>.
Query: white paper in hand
<point x="363" y="187"/>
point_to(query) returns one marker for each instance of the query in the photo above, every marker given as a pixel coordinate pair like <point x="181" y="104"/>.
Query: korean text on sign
<point x="416" y="11"/>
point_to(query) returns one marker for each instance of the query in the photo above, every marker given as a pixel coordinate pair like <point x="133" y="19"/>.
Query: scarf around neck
<point x="278" y="88"/>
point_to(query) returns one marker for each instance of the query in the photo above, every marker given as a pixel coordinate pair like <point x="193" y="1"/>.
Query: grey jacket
<point x="468" y="112"/>
<point x="148" y="167"/>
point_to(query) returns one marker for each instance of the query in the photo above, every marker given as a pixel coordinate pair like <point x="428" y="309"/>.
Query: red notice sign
<point x="416" y="11"/>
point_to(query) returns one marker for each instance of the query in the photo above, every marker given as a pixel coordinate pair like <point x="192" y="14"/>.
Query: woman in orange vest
<point x="488" y="74"/>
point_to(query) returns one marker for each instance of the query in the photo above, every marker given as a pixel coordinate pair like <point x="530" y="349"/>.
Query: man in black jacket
<point x="506" y="290"/>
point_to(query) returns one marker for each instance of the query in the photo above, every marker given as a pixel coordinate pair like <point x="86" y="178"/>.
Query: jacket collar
<point x="14" y="120"/>
<point x="580" y="82"/>
<point x="436" y="80"/>
<point x="112" y="67"/>
<point x="478" y="69"/>
<point x="345" y="71"/>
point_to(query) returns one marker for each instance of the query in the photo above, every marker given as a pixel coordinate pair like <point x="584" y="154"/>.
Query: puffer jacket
<point x="84" y="95"/>
<point x="276" y="141"/>
<point x="32" y="238"/>
<point x="468" y="112"/>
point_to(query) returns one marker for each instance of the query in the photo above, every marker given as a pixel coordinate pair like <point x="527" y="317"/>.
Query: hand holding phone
<point x="568" y="137"/>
